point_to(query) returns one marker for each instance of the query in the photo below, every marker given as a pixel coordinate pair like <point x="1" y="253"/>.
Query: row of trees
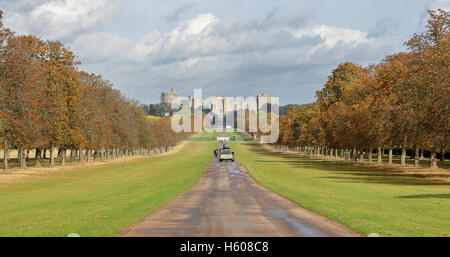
<point x="46" y="102"/>
<point x="158" y="110"/>
<point x="402" y="102"/>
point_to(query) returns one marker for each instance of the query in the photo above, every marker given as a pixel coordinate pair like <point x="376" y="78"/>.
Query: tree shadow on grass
<point x="426" y="196"/>
<point x="350" y="172"/>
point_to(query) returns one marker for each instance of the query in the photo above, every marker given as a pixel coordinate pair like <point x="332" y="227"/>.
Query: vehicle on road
<point x="225" y="154"/>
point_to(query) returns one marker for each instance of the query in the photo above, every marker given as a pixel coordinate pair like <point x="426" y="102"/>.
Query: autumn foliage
<point x="401" y="103"/>
<point x="48" y="104"/>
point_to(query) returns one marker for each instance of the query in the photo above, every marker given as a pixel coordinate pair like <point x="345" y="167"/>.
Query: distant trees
<point x="158" y="110"/>
<point x="402" y="103"/>
<point x="47" y="103"/>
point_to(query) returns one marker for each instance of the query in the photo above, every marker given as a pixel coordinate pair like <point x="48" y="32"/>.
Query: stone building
<point x="169" y="97"/>
<point x="216" y="104"/>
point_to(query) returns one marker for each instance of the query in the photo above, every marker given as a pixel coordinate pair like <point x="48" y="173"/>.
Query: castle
<point x="169" y="97"/>
<point x="216" y="104"/>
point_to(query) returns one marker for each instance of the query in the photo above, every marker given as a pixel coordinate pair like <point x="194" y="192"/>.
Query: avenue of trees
<point x="401" y="103"/>
<point x="48" y="105"/>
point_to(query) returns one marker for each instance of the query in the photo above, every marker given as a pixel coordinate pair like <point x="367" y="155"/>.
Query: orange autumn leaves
<point x="46" y="102"/>
<point x="402" y="102"/>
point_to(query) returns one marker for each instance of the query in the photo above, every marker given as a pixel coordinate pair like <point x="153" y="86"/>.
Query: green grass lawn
<point x="102" y="200"/>
<point x="365" y="199"/>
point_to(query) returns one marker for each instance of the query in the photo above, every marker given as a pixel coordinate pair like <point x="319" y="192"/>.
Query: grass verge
<point x="366" y="199"/>
<point x="99" y="201"/>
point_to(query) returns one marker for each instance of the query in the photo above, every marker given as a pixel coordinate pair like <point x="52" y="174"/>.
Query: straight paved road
<point x="226" y="201"/>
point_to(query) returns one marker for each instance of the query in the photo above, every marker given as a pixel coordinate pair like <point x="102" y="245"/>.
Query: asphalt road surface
<point x="226" y="201"/>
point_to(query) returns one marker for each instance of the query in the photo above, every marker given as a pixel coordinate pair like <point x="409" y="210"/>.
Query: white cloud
<point x="102" y="47"/>
<point x="206" y="36"/>
<point x="226" y="55"/>
<point x="332" y="35"/>
<point x="61" y="19"/>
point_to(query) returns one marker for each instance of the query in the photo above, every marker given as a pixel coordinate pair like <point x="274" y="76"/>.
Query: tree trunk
<point x="37" y="157"/>
<point x="88" y="155"/>
<point x="81" y="155"/>
<point x="403" y="157"/>
<point x="52" y="157"/>
<point x="416" y="157"/>
<point x="102" y="158"/>
<point x="433" y="162"/>
<point x="44" y="154"/>
<point x="379" y="156"/>
<point x="62" y="156"/>
<point x="22" y="158"/>
<point x="72" y="155"/>
<point x="5" y="155"/>
<point x="370" y="155"/>
<point x="442" y="155"/>
<point x="19" y="156"/>
<point x="390" y="156"/>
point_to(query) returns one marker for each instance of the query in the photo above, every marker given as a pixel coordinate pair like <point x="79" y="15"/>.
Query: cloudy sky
<point x="285" y="48"/>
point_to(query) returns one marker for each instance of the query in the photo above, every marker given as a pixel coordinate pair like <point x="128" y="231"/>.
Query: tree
<point x="22" y="94"/>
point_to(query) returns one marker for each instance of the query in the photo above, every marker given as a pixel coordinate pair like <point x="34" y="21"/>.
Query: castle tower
<point x="169" y="97"/>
